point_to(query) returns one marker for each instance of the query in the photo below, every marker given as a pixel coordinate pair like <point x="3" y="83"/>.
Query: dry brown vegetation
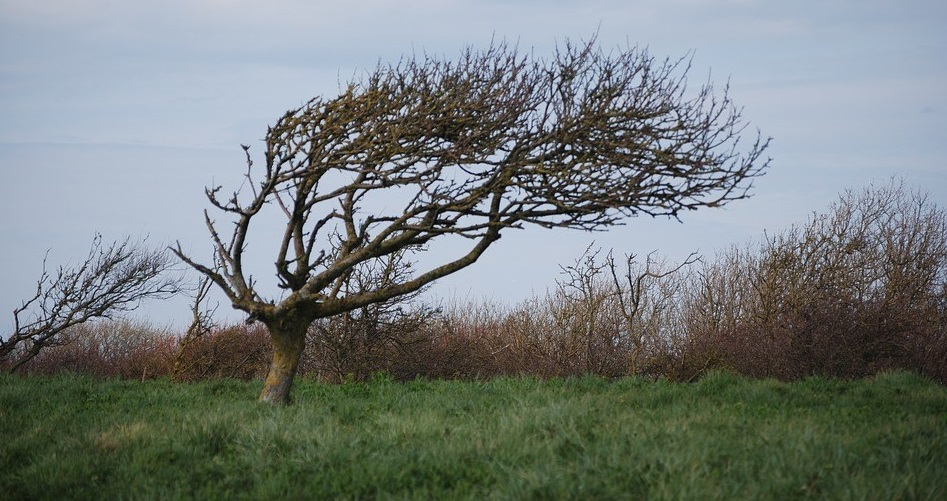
<point x="857" y="290"/>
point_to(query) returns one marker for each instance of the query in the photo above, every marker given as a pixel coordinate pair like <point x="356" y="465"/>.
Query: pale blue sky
<point x="114" y="114"/>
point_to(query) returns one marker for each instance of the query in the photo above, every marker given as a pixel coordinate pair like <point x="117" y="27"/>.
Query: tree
<point x="430" y="148"/>
<point x="202" y="324"/>
<point x="111" y="280"/>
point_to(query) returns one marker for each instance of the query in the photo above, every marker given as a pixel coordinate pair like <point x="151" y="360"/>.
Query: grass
<point x="724" y="437"/>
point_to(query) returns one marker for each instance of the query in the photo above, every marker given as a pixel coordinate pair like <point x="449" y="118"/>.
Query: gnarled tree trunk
<point x="288" y="336"/>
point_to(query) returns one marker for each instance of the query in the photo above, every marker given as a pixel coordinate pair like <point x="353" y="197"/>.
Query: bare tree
<point x="617" y="319"/>
<point x="111" y="280"/>
<point x="582" y="299"/>
<point x="649" y="298"/>
<point x="497" y="139"/>
<point x="202" y="323"/>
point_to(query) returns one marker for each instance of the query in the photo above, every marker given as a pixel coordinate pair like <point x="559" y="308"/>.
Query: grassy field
<point x="511" y="438"/>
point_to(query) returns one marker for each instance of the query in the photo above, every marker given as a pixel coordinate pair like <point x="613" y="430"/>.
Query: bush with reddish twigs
<point x="124" y="349"/>
<point x="237" y="351"/>
<point x="355" y="345"/>
<point x="855" y="291"/>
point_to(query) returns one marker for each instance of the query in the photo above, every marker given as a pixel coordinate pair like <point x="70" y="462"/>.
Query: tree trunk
<point x="289" y="340"/>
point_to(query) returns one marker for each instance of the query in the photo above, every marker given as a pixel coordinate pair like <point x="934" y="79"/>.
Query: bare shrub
<point x="439" y="356"/>
<point x="602" y="318"/>
<point x="237" y="351"/>
<point x="613" y="318"/>
<point x="357" y="344"/>
<point x="528" y="340"/>
<point x="586" y="322"/>
<point x="650" y="298"/>
<point x="854" y="291"/>
<point x="105" y="349"/>
<point x="482" y="339"/>
<point x="717" y="304"/>
<point x="202" y="323"/>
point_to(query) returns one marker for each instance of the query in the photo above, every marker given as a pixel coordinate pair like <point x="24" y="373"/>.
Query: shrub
<point x="358" y="344"/>
<point x="852" y="292"/>
<point x="105" y="348"/>
<point x="237" y="351"/>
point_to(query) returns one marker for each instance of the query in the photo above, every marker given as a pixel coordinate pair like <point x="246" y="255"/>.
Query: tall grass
<point x="726" y="437"/>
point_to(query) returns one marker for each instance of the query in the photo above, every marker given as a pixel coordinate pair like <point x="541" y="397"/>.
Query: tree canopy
<point x="494" y="140"/>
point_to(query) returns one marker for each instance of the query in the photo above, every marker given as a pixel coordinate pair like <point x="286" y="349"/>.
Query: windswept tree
<point x="113" y="279"/>
<point x="427" y="148"/>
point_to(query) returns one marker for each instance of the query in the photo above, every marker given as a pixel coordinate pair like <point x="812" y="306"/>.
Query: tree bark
<point x="289" y="341"/>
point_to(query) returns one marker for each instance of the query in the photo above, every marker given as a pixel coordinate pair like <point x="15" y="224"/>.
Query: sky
<point x="115" y="115"/>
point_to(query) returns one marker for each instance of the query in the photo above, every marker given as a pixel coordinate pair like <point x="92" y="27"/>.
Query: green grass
<point x="510" y="438"/>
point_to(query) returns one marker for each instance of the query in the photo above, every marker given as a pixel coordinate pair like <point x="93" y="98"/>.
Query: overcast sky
<point x="115" y="114"/>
